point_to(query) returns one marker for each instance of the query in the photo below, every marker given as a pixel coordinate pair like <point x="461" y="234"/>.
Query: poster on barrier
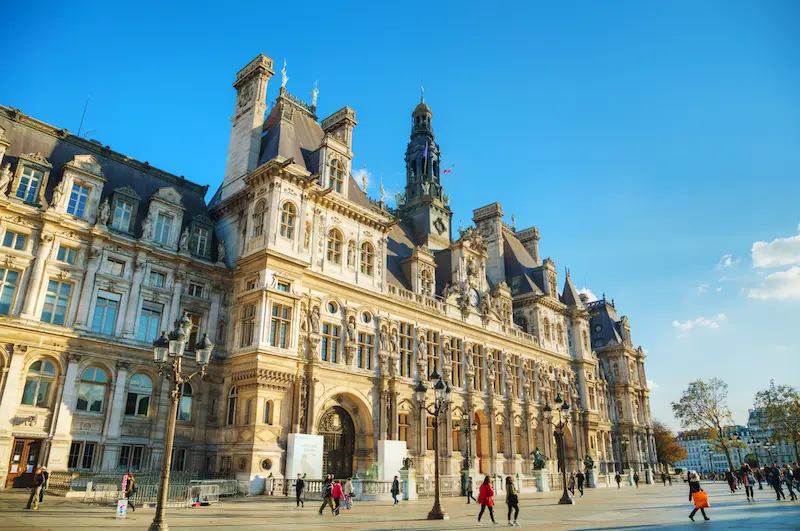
<point x="304" y="455"/>
<point x="122" y="508"/>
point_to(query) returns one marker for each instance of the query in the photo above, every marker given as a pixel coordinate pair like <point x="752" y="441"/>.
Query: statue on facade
<point x="408" y="463"/>
<point x="509" y="375"/>
<point x="588" y="462"/>
<point x="105" y="213"/>
<point x="422" y="358"/>
<point x="539" y="459"/>
<point x="447" y="353"/>
<point x="384" y="339"/>
<point x="315" y="320"/>
<point x="147" y="227"/>
<point x="426" y="187"/>
<point x="183" y="243"/>
<point x="351" y="329"/>
<point x="470" y="369"/>
<point x="58" y="193"/>
<point x="351" y="252"/>
<point x="449" y="289"/>
<point x="5" y="177"/>
<point x="394" y="342"/>
<point x="399" y="199"/>
<point x="382" y="191"/>
<point x="221" y="251"/>
<point x="486" y="304"/>
<point x="303" y="318"/>
<point x="314" y="95"/>
<point x="490" y="372"/>
<point x="284" y="77"/>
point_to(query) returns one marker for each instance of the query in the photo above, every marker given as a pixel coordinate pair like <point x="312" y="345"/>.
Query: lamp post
<point x="768" y="446"/>
<point x="735" y="437"/>
<point x="710" y="462"/>
<point x="172" y="346"/>
<point x="467" y="429"/>
<point x="563" y="419"/>
<point x="440" y="405"/>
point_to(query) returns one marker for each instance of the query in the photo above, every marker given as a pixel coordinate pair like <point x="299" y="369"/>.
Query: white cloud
<point x="778" y="285"/>
<point x="589" y="293"/>
<point x="652" y="385"/>
<point x="719" y="289"/>
<point x="701" y="322"/>
<point x="728" y="261"/>
<point x="723" y="278"/>
<point x="778" y="252"/>
<point x="702" y="288"/>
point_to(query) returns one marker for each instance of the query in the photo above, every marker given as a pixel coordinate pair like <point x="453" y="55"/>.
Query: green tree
<point x="668" y="450"/>
<point x="704" y="406"/>
<point x="780" y="406"/>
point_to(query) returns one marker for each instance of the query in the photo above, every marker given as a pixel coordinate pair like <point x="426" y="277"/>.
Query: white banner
<point x="304" y="456"/>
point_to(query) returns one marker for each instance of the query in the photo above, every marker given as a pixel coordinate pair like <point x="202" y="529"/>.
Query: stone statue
<point x="314" y="94"/>
<point x="447" y="354"/>
<point x="399" y="199"/>
<point x="486" y="304"/>
<point x="384" y="339"/>
<point x="221" y="251"/>
<point x="105" y="213"/>
<point x="303" y="318"/>
<point x="426" y="187"/>
<point x="383" y="192"/>
<point x="351" y="329"/>
<point x="514" y="222"/>
<point x="588" y="462"/>
<point x="408" y="463"/>
<point x="147" y="227"/>
<point x="509" y="374"/>
<point x="58" y="193"/>
<point x="365" y="178"/>
<point x="394" y="341"/>
<point x="539" y="459"/>
<point x="5" y="177"/>
<point x="449" y="289"/>
<point x="446" y="200"/>
<point x="351" y="251"/>
<point x="470" y="369"/>
<point x="315" y="320"/>
<point x="183" y="244"/>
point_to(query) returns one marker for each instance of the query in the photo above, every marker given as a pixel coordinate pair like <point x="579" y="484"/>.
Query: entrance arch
<point x="339" y="434"/>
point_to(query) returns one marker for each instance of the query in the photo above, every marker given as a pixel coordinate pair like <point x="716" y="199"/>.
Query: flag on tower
<point x="448" y="170"/>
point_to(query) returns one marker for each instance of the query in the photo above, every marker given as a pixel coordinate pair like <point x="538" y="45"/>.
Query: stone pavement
<point x="651" y="507"/>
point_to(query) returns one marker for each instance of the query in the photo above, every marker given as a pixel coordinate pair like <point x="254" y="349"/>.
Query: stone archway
<point x="339" y="434"/>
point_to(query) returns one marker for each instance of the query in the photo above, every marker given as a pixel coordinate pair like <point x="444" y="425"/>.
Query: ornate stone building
<point x="326" y="307"/>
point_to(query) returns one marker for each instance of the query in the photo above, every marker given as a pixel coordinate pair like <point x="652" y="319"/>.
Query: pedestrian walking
<point x="38" y="481"/>
<point x="129" y="488"/>
<point x="571" y="484"/>
<point x="45" y="485"/>
<point x="327" y="495"/>
<point x="749" y="481"/>
<point x="775" y="480"/>
<point x="299" y="487"/>
<point x="338" y="495"/>
<point x="697" y="495"/>
<point x="581" y="478"/>
<point x="759" y="477"/>
<point x="486" y="499"/>
<point x="729" y="477"/>
<point x="347" y="488"/>
<point x="664" y="479"/>
<point x="470" y="491"/>
<point x="395" y="489"/>
<point x="618" y="479"/>
<point x="636" y="479"/>
<point x="669" y="478"/>
<point x="512" y="500"/>
<point x="788" y="478"/>
<point x="796" y="474"/>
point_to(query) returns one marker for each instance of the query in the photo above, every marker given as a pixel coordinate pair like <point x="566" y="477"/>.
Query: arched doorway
<point x="336" y="427"/>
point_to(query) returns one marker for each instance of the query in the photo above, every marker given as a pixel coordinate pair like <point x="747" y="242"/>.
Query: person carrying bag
<point x="512" y="500"/>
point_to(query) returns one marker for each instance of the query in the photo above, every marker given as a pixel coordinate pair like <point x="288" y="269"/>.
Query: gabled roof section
<point x="603" y="323"/>
<point x="400" y="245"/>
<point x="570" y="295"/>
<point x="291" y="131"/>
<point x="520" y="266"/>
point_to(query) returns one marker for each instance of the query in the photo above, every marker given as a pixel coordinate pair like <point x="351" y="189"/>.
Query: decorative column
<point x="116" y="409"/>
<point x="9" y="400"/>
<point x="59" y="450"/>
<point x="129" y="330"/>
<point x="35" y="281"/>
<point x="177" y="290"/>
<point x="92" y="265"/>
<point x="213" y="313"/>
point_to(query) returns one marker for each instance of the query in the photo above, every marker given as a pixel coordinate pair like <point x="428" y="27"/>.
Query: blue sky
<point x="647" y="142"/>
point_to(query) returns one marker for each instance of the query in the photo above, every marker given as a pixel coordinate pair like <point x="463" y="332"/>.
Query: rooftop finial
<point x="421" y="93"/>
<point x="284" y="77"/>
<point x="383" y="190"/>
<point x="514" y="222"/>
<point x="314" y="94"/>
<point x="566" y="271"/>
<point x="364" y="178"/>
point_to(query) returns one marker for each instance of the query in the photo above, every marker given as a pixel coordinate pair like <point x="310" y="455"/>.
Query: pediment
<point x="169" y="195"/>
<point x="129" y="192"/>
<point x="86" y="164"/>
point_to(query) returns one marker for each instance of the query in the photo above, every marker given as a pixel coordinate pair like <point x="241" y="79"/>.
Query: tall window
<point x="477" y="360"/>
<point x="258" y="218"/>
<point x="364" y="352"/>
<point x="268" y="412"/>
<point x="432" y="340"/>
<point x="288" y="215"/>
<point x="163" y="228"/>
<point x="201" y="241"/>
<point x="56" y="302"/>
<point x="77" y="200"/>
<point x="406" y="336"/>
<point x="29" y="184"/>
<point x="546" y="325"/>
<point x="336" y="175"/>
<point x="518" y="439"/>
<point x="9" y="280"/>
<point x="233" y="396"/>
<point x="280" y="326"/>
<point x="157" y="279"/>
<point x="68" y="255"/>
<point x="185" y="405"/>
<point x="105" y="313"/>
<point x="456" y="435"/>
<point x="403" y="428"/>
<point x="514" y="360"/>
<point x="123" y="211"/>
<point x="427" y="283"/>
<point x="429" y="420"/>
<point x="500" y="438"/>
<point x="178" y="462"/>
<point x="248" y="325"/>
<point x="149" y="322"/>
<point x="367" y="258"/>
<point x="458" y="367"/>
<point x="330" y="342"/>
<point x="38" y="383"/>
<point x="81" y="455"/>
<point x="92" y="390"/>
<point x="15" y="240"/>
<point x="130" y="457"/>
<point x="497" y="360"/>
<point x="335" y="246"/>
<point x="139" y="391"/>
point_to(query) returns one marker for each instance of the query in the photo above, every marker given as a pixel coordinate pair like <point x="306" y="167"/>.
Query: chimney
<point x="489" y="221"/>
<point x="529" y="238"/>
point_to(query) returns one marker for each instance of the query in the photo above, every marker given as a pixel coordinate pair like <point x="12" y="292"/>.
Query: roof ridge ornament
<point x="421" y="93"/>
<point x="284" y="77"/>
<point x="314" y="94"/>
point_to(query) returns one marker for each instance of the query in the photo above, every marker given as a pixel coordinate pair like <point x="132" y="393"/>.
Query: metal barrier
<point x="204" y="494"/>
<point x="225" y="487"/>
<point x="448" y="486"/>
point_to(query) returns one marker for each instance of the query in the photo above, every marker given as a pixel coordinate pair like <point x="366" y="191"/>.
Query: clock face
<point x="473" y="297"/>
<point x="597" y="328"/>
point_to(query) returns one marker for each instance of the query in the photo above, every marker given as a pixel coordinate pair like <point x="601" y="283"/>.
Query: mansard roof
<point x="519" y="263"/>
<point x="291" y="131"/>
<point x="570" y="295"/>
<point x="604" y="315"/>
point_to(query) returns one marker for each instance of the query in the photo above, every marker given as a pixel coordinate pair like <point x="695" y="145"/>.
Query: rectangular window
<point x="406" y="334"/>
<point x="251" y="284"/>
<point x="498" y="372"/>
<point x="56" y="302"/>
<point x="500" y="439"/>
<point x="364" y="353"/>
<point x="592" y="404"/>
<point x="150" y="322"/>
<point x="432" y="340"/>
<point x="124" y="457"/>
<point x="77" y="200"/>
<point x="66" y="254"/>
<point x="248" y="325"/>
<point x="123" y="211"/>
<point x="29" y="184"/>
<point x="518" y="439"/>
<point x="130" y="457"/>
<point x="88" y="456"/>
<point x="201" y="241"/>
<point x="15" y="240"/>
<point x="403" y="428"/>
<point x="195" y="290"/>
<point x="178" y="459"/>
<point x="157" y="279"/>
<point x="74" y="455"/>
<point x="105" y="313"/>
<point x="458" y="367"/>
<point x="515" y="374"/>
<point x="330" y="342"/>
<point x="163" y="228"/>
<point x="280" y="326"/>
<point x="456" y="436"/>
<point x="477" y="360"/>
<point x="284" y="286"/>
<point x="115" y="267"/>
<point x="9" y="279"/>
<point x="429" y="433"/>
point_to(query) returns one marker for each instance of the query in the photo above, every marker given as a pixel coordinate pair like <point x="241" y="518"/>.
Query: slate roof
<point x="570" y="296"/>
<point x="401" y="244"/>
<point x="299" y="137"/>
<point x="519" y="263"/>
<point x="603" y="314"/>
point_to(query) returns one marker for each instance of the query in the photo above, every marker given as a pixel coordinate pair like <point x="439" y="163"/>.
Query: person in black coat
<point x="731" y="479"/>
<point x="775" y="480"/>
<point x="395" y="489"/>
<point x="694" y="486"/>
<point x="38" y="481"/>
<point x="581" y="478"/>
<point x="299" y="487"/>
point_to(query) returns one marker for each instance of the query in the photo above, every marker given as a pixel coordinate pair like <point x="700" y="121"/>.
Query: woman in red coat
<point x="486" y="499"/>
<point x="338" y="495"/>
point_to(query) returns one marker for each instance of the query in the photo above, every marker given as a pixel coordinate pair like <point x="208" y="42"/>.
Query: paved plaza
<point x="650" y="507"/>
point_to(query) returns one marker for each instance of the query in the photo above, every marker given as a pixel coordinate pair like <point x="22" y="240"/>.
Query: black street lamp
<point x="440" y="405"/>
<point x="735" y="438"/>
<point x="467" y="429"/>
<point x="710" y="462"/>
<point x="563" y="419"/>
<point x="173" y="346"/>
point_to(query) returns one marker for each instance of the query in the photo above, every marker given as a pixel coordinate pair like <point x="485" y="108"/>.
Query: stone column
<point x="85" y="302"/>
<point x="213" y="313"/>
<point x="59" y="450"/>
<point x="35" y="281"/>
<point x="382" y="413"/>
<point x="129" y="330"/>
<point x="9" y="400"/>
<point x="116" y="409"/>
<point x="175" y="310"/>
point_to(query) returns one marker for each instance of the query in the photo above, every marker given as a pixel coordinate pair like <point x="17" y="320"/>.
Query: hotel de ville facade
<point x="325" y="306"/>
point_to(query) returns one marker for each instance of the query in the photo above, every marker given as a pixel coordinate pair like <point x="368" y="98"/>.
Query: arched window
<point x="233" y="396"/>
<point x="38" y="384"/>
<point x="336" y="175"/>
<point x="547" y="328"/>
<point x="258" y="218"/>
<point x="185" y="405"/>
<point x="335" y="246"/>
<point x="92" y="390"/>
<point x="560" y="332"/>
<point x="427" y="283"/>
<point x="268" y="412"/>
<point x="367" y="258"/>
<point x="287" y="220"/>
<point x="140" y="389"/>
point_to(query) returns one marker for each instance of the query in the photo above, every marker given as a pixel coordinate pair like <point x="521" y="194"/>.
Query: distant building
<point x="697" y="447"/>
<point x="768" y="449"/>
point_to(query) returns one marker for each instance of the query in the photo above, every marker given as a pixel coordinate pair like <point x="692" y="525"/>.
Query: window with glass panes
<point x="432" y="341"/>
<point x="514" y="360"/>
<point x="56" y="302"/>
<point x="157" y="279"/>
<point x="336" y="175"/>
<point x="78" y="198"/>
<point x="195" y="289"/>
<point x="457" y="436"/>
<point x="15" y="240"/>
<point x="248" y="325"/>
<point x="429" y="420"/>
<point x="9" y="280"/>
<point x="105" y="313"/>
<point x="280" y="325"/>
<point x="115" y="267"/>
<point x="201" y="241"/>
<point x="457" y="353"/>
<point x="500" y="437"/>
<point x="288" y="212"/>
<point x="477" y="360"/>
<point x="39" y="380"/>
<point x="130" y="457"/>
<point x="195" y="318"/>
<point x="258" y="218"/>
<point x="178" y="460"/>
<point x="29" y="184"/>
<point x="123" y="211"/>
<point x="140" y="389"/>
<point x="66" y="254"/>
<point x="81" y="455"/>
<point x="149" y="321"/>
<point x="233" y="397"/>
<point x="367" y="258"/>
<point x="518" y="439"/>
<point x="335" y="246"/>
<point x="364" y="353"/>
<point x="406" y="335"/>
<point x="403" y="428"/>
<point x="497" y="359"/>
<point x="330" y="342"/>
<point x="92" y="390"/>
<point x="163" y="228"/>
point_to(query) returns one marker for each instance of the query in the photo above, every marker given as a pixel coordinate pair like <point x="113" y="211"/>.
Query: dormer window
<point x="123" y="212"/>
<point x="336" y="175"/>
<point x="201" y="237"/>
<point x="29" y="184"/>
<point x="163" y="229"/>
<point x="77" y="200"/>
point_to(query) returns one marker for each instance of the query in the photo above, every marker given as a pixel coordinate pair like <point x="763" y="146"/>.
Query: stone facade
<point x="326" y="308"/>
